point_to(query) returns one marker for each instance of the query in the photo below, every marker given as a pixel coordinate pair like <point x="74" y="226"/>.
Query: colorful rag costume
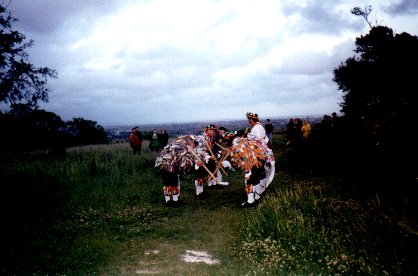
<point x="174" y="160"/>
<point x="180" y="157"/>
<point x="255" y="158"/>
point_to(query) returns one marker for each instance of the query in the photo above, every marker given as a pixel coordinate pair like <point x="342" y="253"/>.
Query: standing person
<point x="222" y="132"/>
<point x="135" y="140"/>
<point x="171" y="186"/>
<point x="163" y="138"/>
<point x="154" y="144"/>
<point x="298" y="132"/>
<point x="306" y="130"/>
<point x="173" y="161"/>
<point x="269" y="131"/>
<point x="290" y="132"/>
<point x="326" y="128"/>
<point x="257" y="128"/>
<point x="212" y="138"/>
<point x="257" y="174"/>
<point x="202" y="160"/>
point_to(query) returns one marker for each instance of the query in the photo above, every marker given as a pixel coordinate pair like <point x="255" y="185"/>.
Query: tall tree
<point x="381" y="80"/>
<point x="380" y="104"/>
<point x="20" y="81"/>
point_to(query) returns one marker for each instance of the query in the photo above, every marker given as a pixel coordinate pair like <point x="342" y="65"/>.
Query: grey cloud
<point x="48" y="15"/>
<point x="321" y="17"/>
<point x="407" y="7"/>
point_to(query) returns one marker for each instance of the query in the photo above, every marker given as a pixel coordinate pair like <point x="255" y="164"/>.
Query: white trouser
<point x="257" y="191"/>
<point x="167" y="198"/>
<point x="199" y="188"/>
<point x="251" y="198"/>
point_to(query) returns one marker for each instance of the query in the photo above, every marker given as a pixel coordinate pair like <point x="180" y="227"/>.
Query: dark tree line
<point x="28" y="129"/>
<point x="22" y="86"/>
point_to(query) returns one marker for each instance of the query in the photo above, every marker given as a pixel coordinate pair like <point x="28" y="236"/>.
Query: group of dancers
<point x="207" y="156"/>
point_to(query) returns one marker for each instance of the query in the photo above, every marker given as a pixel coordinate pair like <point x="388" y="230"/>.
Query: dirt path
<point x="196" y="238"/>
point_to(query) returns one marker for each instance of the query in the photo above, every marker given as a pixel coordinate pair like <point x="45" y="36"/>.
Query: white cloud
<point x="127" y="61"/>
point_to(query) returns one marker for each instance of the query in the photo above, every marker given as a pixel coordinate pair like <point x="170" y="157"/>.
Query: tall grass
<point x="68" y="215"/>
<point x="100" y="210"/>
<point x="307" y="227"/>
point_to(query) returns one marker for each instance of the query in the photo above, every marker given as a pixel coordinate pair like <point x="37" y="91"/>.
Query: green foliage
<point x="304" y="228"/>
<point x="378" y="83"/>
<point x="22" y="86"/>
<point x="85" y="132"/>
<point x="70" y="215"/>
<point x="379" y="103"/>
<point x="20" y="81"/>
<point x="363" y="13"/>
<point x="27" y="129"/>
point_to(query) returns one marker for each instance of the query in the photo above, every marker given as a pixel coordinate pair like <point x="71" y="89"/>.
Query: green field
<point x="100" y="210"/>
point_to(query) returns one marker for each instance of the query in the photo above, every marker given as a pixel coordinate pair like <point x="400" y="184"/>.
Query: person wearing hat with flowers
<point x="257" y="128"/>
<point x="257" y="175"/>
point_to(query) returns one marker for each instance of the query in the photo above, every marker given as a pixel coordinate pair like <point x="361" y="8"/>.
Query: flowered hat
<point x="251" y="115"/>
<point x="210" y="127"/>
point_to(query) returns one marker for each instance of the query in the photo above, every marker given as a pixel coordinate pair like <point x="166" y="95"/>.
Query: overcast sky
<point x="162" y="61"/>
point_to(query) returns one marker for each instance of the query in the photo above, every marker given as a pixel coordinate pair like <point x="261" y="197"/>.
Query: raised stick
<point x="204" y="166"/>
<point x="219" y="165"/>
<point x="210" y="150"/>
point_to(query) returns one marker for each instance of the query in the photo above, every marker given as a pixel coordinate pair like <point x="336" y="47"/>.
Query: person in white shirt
<point x="257" y="175"/>
<point x="257" y="129"/>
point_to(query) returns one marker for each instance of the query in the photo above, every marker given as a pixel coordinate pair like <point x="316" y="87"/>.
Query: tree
<point x="379" y="104"/>
<point x="20" y="81"/>
<point x="363" y="13"/>
<point x="26" y="129"/>
<point x="86" y="132"/>
<point x="380" y="81"/>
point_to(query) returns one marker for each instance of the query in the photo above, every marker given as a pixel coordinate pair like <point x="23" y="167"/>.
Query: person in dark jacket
<point x="163" y="137"/>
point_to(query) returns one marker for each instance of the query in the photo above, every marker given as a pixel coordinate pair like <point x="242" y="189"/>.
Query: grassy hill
<point x="100" y="210"/>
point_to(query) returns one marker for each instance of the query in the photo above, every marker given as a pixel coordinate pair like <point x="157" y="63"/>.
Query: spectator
<point x="291" y="132"/>
<point x="269" y="131"/>
<point x="154" y="144"/>
<point x="163" y="138"/>
<point x="306" y="129"/>
<point x="135" y="140"/>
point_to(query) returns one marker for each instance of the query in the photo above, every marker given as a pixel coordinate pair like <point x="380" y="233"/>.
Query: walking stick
<point x="220" y="146"/>
<point x="219" y="165"/>
<point x="210" y="150"/>
<point x="204" y="166"/>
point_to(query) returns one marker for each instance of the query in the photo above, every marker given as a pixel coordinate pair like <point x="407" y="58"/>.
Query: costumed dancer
<point x="200" y="172"/>
<point x="173" y="161"/>
<point x="171" y="186"/>
<point x="213" y="140"/>
<point x="259" y="170"/>
<point x="204" y="163"/>
<point x="259" y="132"/>
<point x="249" y="154"/>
